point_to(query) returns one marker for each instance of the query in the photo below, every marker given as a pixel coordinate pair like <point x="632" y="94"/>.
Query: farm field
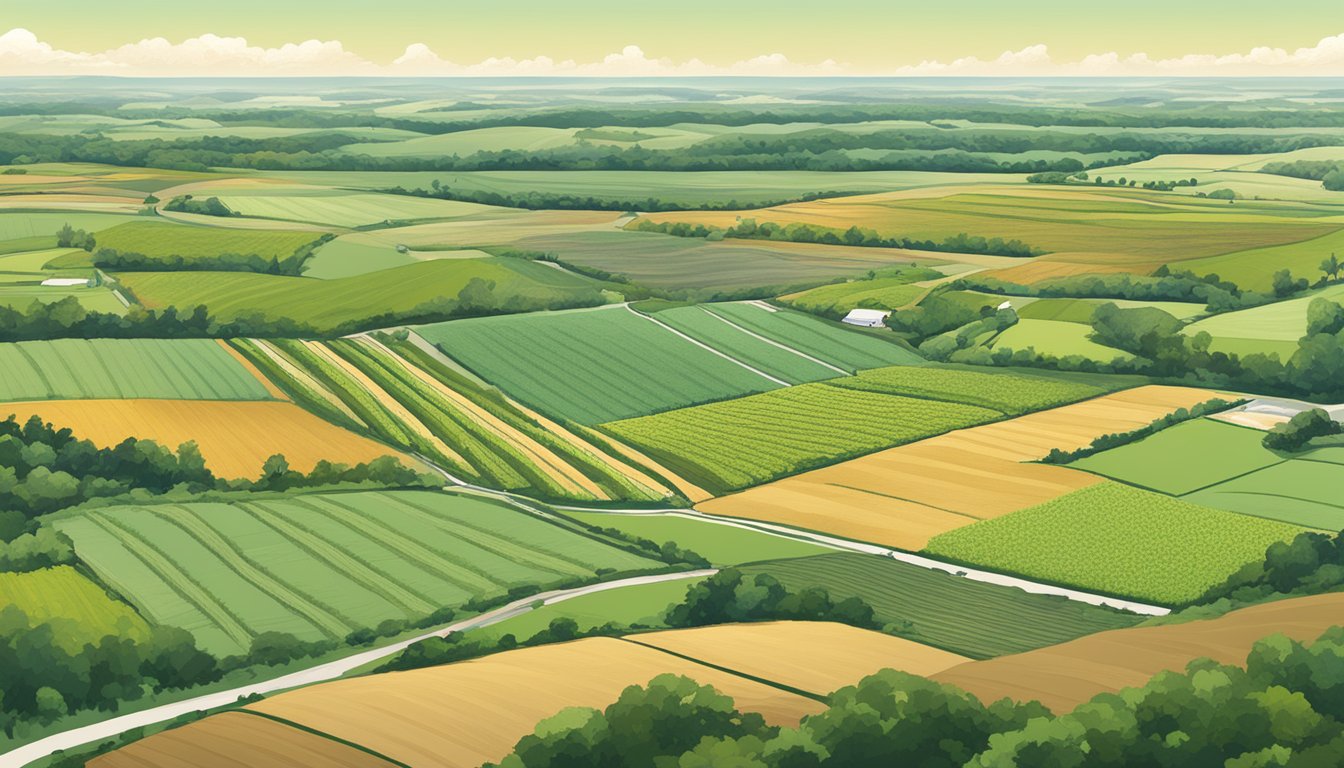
<point x="879" y="293"/>
<point x="643" y="604"/>
<point x="1184" y="458"/>
<point x="171" y="243"/>
<point x="198" y="369"/>
<point x="1133" y="230"/>
<point x="1299" y="491"/>
<point x="1064" y="676"/>
<point x="1268" y="328"/>
<point x="235" y="438"/>
<point x="323" y="565"/>
<point x="830" y="343"/>
<point x="80" y="611"/>
<point x="345" y="209"/>
<point x="770" y="357"/>
<point x="246" y="740"/>
<point x="720" y="544"/>
<point x="1119" y="540"/>
<point x="787" y="652"/>
<point x="328" y="304"/>
<point x="1056" y="338"/>
<point x="1246" y="268"/>
<point x="736" y="443"/>
<point x="971" y="618"/>
<point x="500" y="698"/>
<point x="904" y="496"/>
<point x="592" y="366"/>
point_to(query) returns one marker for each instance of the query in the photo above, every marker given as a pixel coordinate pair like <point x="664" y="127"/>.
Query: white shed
<point x="871" y="318"/>
<point x="65" y="282"/>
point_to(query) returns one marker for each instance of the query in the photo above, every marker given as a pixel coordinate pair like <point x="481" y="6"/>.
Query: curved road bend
<point x="331" y="670"/>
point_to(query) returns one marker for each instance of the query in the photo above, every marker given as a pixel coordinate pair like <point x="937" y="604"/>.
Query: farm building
<point x="871" y="318"/>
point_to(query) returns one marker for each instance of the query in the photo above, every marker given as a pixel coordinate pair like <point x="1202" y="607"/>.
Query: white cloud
<point x="23" y="53"/>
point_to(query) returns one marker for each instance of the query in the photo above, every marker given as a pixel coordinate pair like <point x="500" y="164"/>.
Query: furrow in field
<point x="544" y="458"/>
<point x="177" y="579"/>
<point x="772" y="342"/>
<point x="708" y="348"/>
<point x="327" y="619"/>
<point x="340" y="561"/>
<point x="386" y="400"/>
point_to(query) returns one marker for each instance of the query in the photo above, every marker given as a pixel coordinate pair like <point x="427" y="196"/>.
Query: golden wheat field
<point x="462" y="715"/>
<point x="814" y="656"/>
<point x="1066" y="675"/>
<point x="237" y="740"/>
<point x="904" y="496"/>
<point x="235" y="438"/>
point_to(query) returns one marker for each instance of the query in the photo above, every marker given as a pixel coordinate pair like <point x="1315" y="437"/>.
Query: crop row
<point x="1002" y="392"/>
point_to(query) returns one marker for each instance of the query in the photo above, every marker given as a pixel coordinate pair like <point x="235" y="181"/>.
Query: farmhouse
<point x="870" y="318"/>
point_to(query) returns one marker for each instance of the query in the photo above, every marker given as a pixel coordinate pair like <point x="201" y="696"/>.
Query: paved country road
<point x="328" y="671"/>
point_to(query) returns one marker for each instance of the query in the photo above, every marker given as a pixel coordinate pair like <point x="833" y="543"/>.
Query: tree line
<point x="797" y="232"/>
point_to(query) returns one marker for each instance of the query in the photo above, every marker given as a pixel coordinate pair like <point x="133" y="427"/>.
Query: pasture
<point x="906" y="495"/>
<point x="1273" y="328"/>
<point x="1056" y="338"/>
<point x="833" y="344"/>
<point x="329" y="304"/>
<point x="1117" y="539"/>
<point x="971" y="618"/>
<point x="1184" y="458"/>
<point x="592" y="366"/>
<point x="235" y="438"/>
<point x="1299" y="491"/>
<point x="643" y="604"/>
<point x="78" y="609"/>
<point x="323" y="565"/>
<point x="782" y="362"/>
<point x="174" y="243"/>
<point x="74" y="369"/>
<point x="500" y="698"/>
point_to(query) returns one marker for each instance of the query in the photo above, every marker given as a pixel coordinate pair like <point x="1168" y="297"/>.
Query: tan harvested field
<point x="237" y="740"/>
<point x="555" y="467"/>
<point x="234" y="437"/>
<point x="904" y="496"/>
<point x="462" y="715"/>
<point x="1066" y="675"/>
<point x="270" y="386"/>
<point x="386" y="400"/>
<point x="1265" y="421"/>
<point x="814" y="656"/>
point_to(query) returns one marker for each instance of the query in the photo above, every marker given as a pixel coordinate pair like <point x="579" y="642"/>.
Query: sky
<point x="686" y="37"/>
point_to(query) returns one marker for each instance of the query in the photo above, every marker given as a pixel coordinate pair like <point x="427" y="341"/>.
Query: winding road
<point x="330" y="670"/>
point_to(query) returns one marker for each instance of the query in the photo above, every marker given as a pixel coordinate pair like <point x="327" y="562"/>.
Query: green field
<point x="1254" y="269"/>
<point x="1061" y="310"/>
<point x="663" y="261"/>
<point x="879" y="293"/>
<point x="1184" y="458"/>
<point x="707" y="327"/>
<point x="832" y="343"/>
<point x="592" y="365"/>
<point x="1117" y="539"/>
<point x="1272" y="327"/>
<point x="1301" y="491"/>
<point x="72" y="369"/>
<point x="348" y="209"/>
<point x="19" y="225"/>
<point x="320" y="566"/>
<point x="1004" y="392"/>
<point x="172" y="243"/>
<point x="720" y="544"/>
<point x="327" y="304"/>
<point x="968" y="617"/>
<point x="1058" y="338"/>
<point x="79" y="610"/>
<point x="20" y="297"/>
<point x="737" y="443"/>
<point x="643" y="604"/>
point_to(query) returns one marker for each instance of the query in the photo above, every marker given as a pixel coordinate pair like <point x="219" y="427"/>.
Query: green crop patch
<point x="182" y="243"/>
<point x="1184" y="458"/>
<point x="720" y="544"/>
<point x="1057" y="338"/>
<point x="972" y="618"/>
<point x="1301" y="491"/>
<point x="322" y="565"/>
<point x="1005" y="392"/>
<point x="592" y="365"/>
<point x="881" y="293"/>
<point x="1117" y="539"/>
<point x="737" y="443"/>
<point x="770" y="357"/>
<point x="77" y="369"/>
<point x="80" y="611"/>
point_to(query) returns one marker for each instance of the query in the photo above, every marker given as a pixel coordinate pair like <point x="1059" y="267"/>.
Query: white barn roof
<point x="869" y="317"/>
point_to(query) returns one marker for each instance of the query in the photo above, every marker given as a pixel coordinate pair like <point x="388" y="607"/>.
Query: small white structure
<point x="1006" y="305"/>
<point x="65" y="282"/>
<point x="869" y="318"/>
